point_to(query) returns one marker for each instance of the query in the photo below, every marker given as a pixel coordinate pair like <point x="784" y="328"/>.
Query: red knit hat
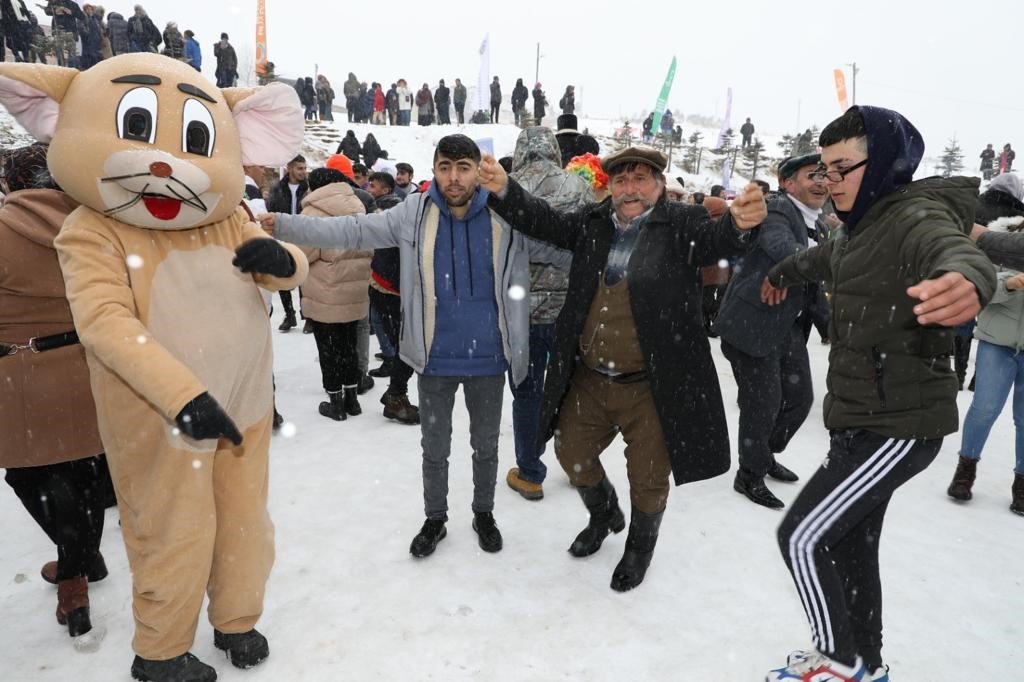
<point x="341" y="163"/>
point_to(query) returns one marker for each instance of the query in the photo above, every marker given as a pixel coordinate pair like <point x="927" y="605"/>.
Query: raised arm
<point x="371" y="231"/>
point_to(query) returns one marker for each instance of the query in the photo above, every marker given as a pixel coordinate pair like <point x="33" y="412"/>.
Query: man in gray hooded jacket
<point x="536" y="166"/>
<point x="465" y="316"/>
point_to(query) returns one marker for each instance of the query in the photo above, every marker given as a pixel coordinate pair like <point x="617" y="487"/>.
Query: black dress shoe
<point x="781" y="473"/>
<point x="756" y="491"/>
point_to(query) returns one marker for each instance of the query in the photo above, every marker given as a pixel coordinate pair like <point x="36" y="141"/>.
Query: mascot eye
<point x="136" y="115"/>
<point x="197" y="130"/>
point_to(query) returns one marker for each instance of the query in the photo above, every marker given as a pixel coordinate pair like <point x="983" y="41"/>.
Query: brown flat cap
<point x="645" y="155"/>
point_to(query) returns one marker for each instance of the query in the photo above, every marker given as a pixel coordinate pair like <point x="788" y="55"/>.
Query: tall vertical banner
<point x="726" y="125"/>
<point x="483" y="81"/>
<point x="261" y="38"/>
<point x="666" y="88"/>
<point x="844" y="103"/>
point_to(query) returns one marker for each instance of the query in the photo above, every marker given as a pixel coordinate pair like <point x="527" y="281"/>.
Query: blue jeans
<point x="404" y="116"/>
<point x="527" y="401"/>
<point x="386" y="349"/>
<point x="997" y="368"/>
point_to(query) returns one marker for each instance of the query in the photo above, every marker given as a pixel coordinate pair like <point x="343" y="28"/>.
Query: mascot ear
<point x="32" y="94"/>
<point x="270" y="123"/>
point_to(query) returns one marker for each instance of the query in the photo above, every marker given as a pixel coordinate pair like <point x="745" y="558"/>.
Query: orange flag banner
<point x="844" y="104"/>
<point x="261" y="37"/>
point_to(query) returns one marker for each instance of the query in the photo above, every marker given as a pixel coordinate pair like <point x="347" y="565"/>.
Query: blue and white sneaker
<point x="880" y="675"/>
<point x="812" y="666"/>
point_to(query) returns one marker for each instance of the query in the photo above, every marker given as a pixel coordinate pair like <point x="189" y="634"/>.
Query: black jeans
<point x="460" y="112"/>
<point x="390" y="309"/>
<point x="830" y="535"/>
<point x="775" y="396"/>
<point x="339" y="360"/>
<point x="68" y="501"/>
<point x="495" y="110"/>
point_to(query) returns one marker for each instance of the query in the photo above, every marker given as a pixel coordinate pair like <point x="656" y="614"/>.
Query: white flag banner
<point x="483" y="82"/>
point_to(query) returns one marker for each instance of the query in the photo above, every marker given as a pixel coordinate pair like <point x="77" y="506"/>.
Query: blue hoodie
<point x="467" y="340"/>
<point x="895" y="149"/>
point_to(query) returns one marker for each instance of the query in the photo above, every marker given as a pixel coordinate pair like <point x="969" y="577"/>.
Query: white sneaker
<point x="813" y="666"/>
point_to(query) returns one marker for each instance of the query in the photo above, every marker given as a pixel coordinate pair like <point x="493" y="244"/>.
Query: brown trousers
<point x="594" y="410"/>
<point x="194" y="524"/>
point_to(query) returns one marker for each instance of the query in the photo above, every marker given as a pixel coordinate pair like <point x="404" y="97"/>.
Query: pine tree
<point x="692" y="152"/>
<point x="753" y="159"/>
<point x="952" y="158"/>
<point x="788" y="144"/>
<point x="624" y="136"/>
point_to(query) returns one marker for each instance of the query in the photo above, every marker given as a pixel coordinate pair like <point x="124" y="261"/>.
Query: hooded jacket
<point x="536" y="166"/>
<point x="335" y="289"/>
<point x="1002" y="199"/>
<point x="414" y="226"/>
<point x="349" y="146"/>
<point x="519" y="95"/>
<point x="888" y="374"/>
<point x="33" y="304"/>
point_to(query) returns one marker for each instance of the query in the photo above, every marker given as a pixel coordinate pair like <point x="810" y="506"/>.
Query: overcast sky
<point x="950" y="71"/>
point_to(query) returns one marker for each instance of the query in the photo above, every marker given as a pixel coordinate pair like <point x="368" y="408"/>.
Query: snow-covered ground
<point x="347" y="602"/>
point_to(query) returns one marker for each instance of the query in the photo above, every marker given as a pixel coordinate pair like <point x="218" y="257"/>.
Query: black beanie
<point x="320" y="177"/>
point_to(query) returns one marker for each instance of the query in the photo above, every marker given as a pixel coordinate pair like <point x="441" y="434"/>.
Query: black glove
<point x="264" y="256"/>
<point x="203" y="417"/>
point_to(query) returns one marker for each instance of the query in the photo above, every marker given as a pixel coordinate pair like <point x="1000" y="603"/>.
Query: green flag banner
<point x="659" y="109"/>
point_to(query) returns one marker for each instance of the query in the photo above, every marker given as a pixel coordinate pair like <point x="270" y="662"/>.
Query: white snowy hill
<point x="347" y="602"/>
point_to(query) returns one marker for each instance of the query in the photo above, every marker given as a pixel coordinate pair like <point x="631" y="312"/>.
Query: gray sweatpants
<point x="483" y="397"/>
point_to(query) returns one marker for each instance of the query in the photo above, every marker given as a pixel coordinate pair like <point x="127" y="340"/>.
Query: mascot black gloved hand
<point x="264" y="256"/>
<point x="204" y="418"/>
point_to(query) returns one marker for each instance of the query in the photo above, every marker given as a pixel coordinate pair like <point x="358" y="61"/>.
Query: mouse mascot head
<point x="147" y="140"/>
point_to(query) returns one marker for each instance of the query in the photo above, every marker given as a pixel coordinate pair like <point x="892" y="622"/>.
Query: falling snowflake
<point x="134" y="261"/>
<point x="141" y="339"/>
<point x="516" y="292"/>
<point x="288" y="429"/>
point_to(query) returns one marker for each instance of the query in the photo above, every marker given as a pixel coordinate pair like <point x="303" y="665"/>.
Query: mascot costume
<point x="162" y="267"/>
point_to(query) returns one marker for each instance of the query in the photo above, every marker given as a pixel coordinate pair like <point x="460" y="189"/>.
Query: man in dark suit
<point x="766" y="345"/>
<point x="630" y="354"/>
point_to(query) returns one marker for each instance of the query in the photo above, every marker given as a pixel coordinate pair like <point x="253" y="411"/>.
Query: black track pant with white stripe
<point x="829" y="538"/>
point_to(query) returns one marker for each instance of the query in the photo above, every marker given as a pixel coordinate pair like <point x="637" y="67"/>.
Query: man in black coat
<point x="766" y="344"/>
<point x="495" y="99"/>
<point x="630" y="352"/>
<point x="442" y="102"/>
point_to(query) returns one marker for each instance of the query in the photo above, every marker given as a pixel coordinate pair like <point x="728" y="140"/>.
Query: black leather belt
<point x="39" y="344"/>
<point x="621" y="378"/>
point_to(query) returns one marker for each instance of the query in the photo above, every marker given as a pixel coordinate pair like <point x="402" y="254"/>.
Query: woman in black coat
<point x="371" y="150"/>
<point x="349" y="146"/>
<point x="539" y="103"/>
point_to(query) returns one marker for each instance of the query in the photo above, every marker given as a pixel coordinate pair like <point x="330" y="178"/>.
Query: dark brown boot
<point x="963" y="479"/>
<point x="399" y="408"/>
<point x="73" y="605"/>
<point x="1017" y="506"/>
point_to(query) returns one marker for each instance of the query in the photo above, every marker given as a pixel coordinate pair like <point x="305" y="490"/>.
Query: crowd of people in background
<point x="81" y="36"/>
<point x="369" y="102"/>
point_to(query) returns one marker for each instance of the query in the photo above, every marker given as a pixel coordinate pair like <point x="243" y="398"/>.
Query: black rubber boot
<point x="245" y="649"/>
<point x="1017" y="490"/>
<point x="643" y="536"/>
<point x="335" y="409"/>
<point x="352" y="401"/>
<point x="605" y="517"/>
<point x="184" y="668"/>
